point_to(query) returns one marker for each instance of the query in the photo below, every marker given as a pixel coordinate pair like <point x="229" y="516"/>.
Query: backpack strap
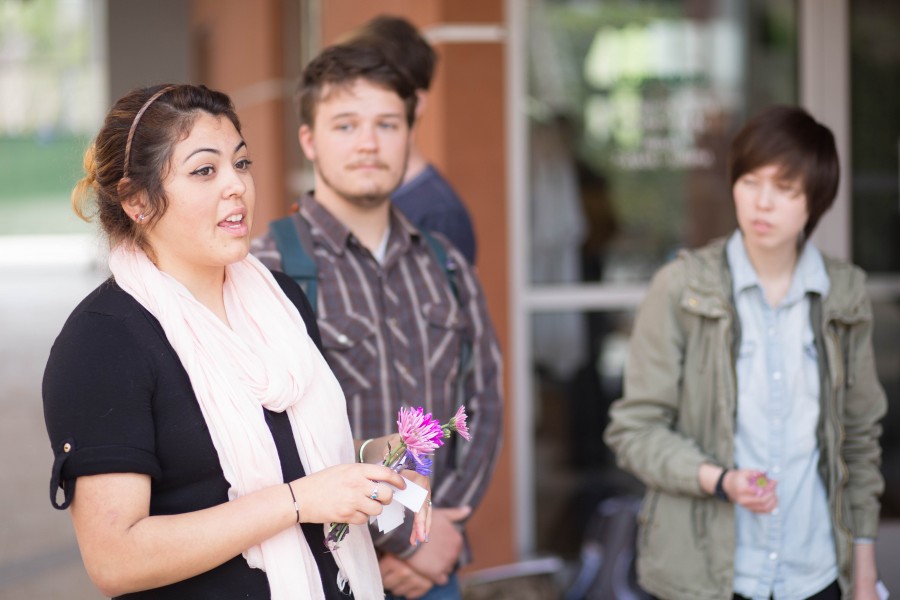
<point x="292" y="239"/>
<point x="451" y="270"/>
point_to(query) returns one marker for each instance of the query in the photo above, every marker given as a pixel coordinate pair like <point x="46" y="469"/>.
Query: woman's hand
<point x="751" y="489"/>
<point x="422" y="524"/>
<point x="375" y="450"/>
<point x="344" y="493"/>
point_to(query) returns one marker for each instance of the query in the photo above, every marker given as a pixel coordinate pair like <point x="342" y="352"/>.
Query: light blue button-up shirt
<point x="789" y="553"/>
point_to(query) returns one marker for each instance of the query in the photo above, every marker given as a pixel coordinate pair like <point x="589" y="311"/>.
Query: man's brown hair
<point x="339" y="66"/>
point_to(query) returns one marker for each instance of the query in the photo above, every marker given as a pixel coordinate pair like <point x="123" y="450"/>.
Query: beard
<point x="376" y="196"/>
<point x="366" y="201"/>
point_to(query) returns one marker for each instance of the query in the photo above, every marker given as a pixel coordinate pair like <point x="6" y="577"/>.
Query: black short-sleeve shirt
<point x="118" y="400"/>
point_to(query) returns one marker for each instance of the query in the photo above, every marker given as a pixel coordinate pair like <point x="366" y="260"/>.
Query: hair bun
<point x="86" y="188"/>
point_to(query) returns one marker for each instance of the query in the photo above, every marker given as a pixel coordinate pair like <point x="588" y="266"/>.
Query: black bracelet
<point x="720" y="487"/>
<point x="296" y="506"/>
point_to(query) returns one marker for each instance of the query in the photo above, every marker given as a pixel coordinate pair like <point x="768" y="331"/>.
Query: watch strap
<point x="720" y="487"/>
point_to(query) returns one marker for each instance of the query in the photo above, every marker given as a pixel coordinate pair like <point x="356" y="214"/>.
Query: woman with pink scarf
<point x="200" y="439"/>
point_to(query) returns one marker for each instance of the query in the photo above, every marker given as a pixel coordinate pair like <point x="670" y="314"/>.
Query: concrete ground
<point x="41" y="281"/>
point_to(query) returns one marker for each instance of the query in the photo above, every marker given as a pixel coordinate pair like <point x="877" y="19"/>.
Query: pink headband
<point x="134" y="125"/>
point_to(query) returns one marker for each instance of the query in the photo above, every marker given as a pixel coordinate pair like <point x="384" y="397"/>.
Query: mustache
<point x="367" y="164"/>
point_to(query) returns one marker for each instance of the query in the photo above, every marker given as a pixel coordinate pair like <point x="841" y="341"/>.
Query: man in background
<point x="399" y="326"/>
<point x="425" y="197"/>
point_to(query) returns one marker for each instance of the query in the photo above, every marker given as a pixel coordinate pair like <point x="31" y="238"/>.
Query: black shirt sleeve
<point x="98" y="389"/>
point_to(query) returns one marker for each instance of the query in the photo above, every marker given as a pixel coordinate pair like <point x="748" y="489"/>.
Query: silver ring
<point x="374" y="494"/>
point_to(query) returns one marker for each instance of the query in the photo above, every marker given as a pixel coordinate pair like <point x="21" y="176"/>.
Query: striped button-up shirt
<point x="393" y="332"/>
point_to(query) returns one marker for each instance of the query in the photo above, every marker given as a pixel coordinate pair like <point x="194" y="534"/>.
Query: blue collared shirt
<point x="787" y="554"/>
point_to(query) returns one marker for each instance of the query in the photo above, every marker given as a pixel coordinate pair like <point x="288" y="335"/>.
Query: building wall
<point x="148" y="43"/>
<point x="238" y="50"/>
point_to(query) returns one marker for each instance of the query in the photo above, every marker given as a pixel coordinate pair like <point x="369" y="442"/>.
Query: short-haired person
<point x="395" y="330"/>
<point x="425" y="197"/>
<point x="752" y="408"/>
<point x="199" y="436"/>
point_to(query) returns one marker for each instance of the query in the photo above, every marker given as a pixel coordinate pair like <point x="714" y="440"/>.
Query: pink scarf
<point x="266" y="359"/>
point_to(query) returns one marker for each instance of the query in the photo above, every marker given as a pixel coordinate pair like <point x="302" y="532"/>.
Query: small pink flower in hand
<point x="759" y="482"/>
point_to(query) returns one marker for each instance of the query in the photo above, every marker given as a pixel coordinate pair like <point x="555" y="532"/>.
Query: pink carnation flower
<point x="420" y="432"/>
<point x="458" y="422"/>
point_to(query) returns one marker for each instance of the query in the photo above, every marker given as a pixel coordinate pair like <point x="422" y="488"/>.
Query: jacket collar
<point x="709" y="285"/>
<point x="708" y="289"/>
<point x="809" y="273"/>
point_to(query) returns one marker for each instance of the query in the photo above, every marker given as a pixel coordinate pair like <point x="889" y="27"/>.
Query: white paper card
<point x="412" y="497"/>
<point x="390" y="518"/>
<point x="882" y="590"/>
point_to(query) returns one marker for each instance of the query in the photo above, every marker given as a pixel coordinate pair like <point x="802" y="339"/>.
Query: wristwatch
<point x="720" y="487"/>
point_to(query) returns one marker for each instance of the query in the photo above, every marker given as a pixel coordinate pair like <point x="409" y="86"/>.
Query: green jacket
<point x="679" y="411"/>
